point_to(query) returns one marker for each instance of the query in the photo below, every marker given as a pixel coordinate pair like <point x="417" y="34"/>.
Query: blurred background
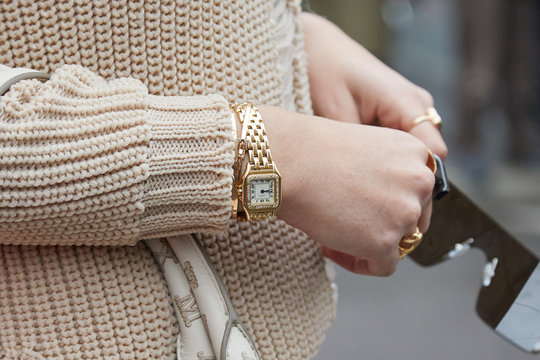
<point x="480" y="59"/>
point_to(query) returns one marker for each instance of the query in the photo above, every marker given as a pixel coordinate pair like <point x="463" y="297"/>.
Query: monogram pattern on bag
<point x="187" y="306"/>
<point x="164" y="253"/>
<point x="190" y="274"/>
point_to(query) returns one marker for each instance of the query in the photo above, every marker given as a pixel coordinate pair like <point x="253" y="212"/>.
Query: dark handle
<point x="442" y="186"/>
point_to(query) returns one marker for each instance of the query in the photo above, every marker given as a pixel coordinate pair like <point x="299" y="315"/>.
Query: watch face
<point x="262" y="191"/>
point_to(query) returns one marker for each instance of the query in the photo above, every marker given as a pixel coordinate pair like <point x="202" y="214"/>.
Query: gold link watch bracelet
<point x="257" y="182"/>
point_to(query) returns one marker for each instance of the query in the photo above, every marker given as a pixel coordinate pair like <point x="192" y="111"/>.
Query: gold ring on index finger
<point x="430" y="115"/>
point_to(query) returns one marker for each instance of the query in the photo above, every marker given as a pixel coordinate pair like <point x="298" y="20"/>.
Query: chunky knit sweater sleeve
<point x="85" y="161"/>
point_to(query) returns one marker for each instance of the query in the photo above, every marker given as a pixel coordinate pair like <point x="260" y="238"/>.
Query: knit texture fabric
<point x="142" y="165"/>
<point x="90" y="162"/>
<point x="67" y="302"/>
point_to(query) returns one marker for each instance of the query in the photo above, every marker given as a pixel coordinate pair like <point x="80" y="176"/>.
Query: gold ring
<point x="431" y="163"/>
<point x="409" y="243"/>
<point x="431" y="115"/>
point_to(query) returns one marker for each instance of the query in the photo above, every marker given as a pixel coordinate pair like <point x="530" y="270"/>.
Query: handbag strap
<point x="209" y="326"/>
<point x="9" y="76"/>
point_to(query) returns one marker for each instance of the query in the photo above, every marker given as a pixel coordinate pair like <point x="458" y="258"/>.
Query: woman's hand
<point x="351" y="85"/>
<point x="355" y="189"/>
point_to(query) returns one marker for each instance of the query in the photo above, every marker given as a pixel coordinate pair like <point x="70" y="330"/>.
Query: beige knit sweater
<point x="131" y="139"/>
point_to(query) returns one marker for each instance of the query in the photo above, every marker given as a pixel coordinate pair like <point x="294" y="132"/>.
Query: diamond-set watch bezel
<point x="249" y="178"/>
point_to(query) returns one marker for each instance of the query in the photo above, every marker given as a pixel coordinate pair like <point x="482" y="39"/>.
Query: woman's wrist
<point x="282" y="138"/>
<point x="294" y="151"/>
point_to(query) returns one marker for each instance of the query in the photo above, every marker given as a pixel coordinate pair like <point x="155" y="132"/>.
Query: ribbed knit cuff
<point x="190" y="161"/>
<point x="93" y="162"/>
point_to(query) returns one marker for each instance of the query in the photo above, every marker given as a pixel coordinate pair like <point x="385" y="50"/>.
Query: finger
<point x="425" y="130"/>
<point x="425" y="218"/>
<point x="384" y="266"/>
<point x="346" y="261"/>
<point x="426" y="184"/>
<point x="431" y="137"/>
<point x="361" y="266"/>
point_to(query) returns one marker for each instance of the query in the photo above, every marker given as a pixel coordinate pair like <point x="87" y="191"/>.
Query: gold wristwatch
<point x="257" y="182"/>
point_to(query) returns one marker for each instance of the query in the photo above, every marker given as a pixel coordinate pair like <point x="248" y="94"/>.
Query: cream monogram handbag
<point x="209" y="326"/>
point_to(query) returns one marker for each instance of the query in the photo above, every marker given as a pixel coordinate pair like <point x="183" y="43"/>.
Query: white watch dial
<point x="262" y="191"/>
